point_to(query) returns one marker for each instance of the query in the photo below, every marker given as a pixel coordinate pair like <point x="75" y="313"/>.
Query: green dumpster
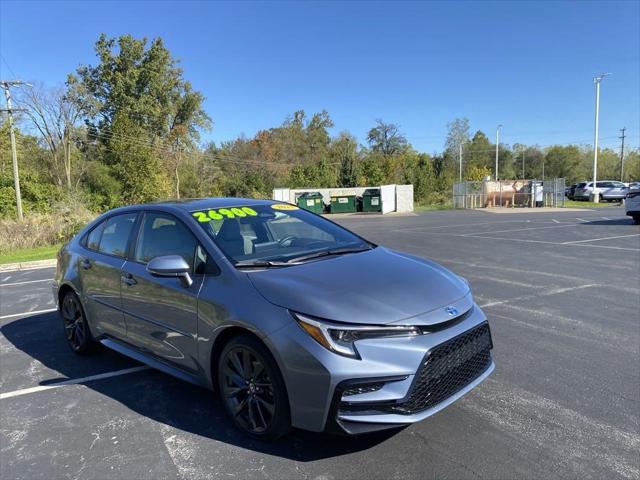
<point x="311" y="201"/>
<point x="343" y="204"/>
<point x="371" y="200"/>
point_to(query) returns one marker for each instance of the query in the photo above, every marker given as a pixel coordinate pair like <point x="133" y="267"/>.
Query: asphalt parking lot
<point x="561" y="290"/>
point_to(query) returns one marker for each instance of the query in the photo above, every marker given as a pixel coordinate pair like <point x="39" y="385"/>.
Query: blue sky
<point x="528" y="66"/>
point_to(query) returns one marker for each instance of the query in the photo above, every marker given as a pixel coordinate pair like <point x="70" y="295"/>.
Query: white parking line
<point x="598" y="239"/>
<point x="523" y="240"/>
<point x="458" y="225"/>
<point x="23" y="283"/>
<point x="26" y="391"/>
<point x="555" y="243"/>
<point x="24" y="314"/>
<point x="522" y="229"/>
<point x="554" y="291"/>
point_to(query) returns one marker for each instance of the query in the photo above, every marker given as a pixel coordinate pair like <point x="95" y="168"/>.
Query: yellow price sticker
<point x="204" y="216"/>
<point x="284" y="206"/>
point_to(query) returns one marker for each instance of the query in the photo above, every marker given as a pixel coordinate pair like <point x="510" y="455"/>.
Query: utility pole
<point x="622" y="154"/>
<point x="497" y="145"/>
<point x="460" y="161"/>
<point x="6" y="85"/>
<point x="523" y="163"/>
<point x="595" y="196"/>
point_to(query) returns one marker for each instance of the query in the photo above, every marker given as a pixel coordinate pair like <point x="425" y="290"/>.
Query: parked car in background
<point x="609" y="190"/>
<point x="632" y="202"/>
<point x="291" y="318"/>
<point x="570" y="191"/>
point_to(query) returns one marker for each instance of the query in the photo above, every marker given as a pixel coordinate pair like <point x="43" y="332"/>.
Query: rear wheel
<point x="76" y="328"/>
<point x="636" y="219"/>
<point x="252" y="389"/>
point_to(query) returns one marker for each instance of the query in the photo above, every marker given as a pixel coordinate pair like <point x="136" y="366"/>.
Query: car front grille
<point x="448" y="368"/>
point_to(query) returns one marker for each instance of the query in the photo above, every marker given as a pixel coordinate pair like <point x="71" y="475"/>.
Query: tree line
<point x="128" y="129"/>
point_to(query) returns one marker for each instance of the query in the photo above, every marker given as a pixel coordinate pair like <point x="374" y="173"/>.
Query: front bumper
<point x="335" y="393"/>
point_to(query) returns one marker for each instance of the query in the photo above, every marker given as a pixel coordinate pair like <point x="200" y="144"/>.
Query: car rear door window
<point x="115" y="234"/>
<point x="162" y="234"/>
<point x="93" y="239"/>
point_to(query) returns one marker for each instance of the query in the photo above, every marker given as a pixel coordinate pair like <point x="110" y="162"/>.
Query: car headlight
<point x="340" y="338"/>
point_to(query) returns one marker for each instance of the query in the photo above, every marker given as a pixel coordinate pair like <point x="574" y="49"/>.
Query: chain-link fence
<point x="509" y="193"/>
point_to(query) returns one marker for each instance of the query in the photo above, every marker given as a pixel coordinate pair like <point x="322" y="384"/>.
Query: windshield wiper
<point x="262" y="264"/>
<point x="327" y="253"/>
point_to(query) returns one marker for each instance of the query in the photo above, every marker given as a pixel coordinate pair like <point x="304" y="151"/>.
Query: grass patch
<point x="582" y="204"/>
<point x="427" y="207"/>
<point x="29" y="254"/>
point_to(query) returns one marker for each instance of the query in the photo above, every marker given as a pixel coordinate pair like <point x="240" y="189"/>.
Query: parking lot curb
<point x="533" y="210"/>
<point x="28" y="265"/>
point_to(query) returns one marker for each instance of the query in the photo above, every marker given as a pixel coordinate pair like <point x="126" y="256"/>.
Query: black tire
<point x="636" y="219"/>
<point x="252" y="390"/>
<point x="76" y="328"/>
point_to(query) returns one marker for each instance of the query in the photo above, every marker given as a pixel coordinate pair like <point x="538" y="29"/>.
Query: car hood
<point x="378" y="286"/>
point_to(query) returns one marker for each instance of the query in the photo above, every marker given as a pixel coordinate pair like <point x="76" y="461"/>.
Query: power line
<point x="8" y="66"/>
<point x="169" y="150"/>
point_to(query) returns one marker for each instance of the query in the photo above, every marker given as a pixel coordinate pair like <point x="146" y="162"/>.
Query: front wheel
<point x="636" y="219"/>
<point x="76" y="327"/>
<point x="252" y="389"/>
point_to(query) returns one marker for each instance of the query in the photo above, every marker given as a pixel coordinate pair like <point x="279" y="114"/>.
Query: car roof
<point x="193" y="204"/>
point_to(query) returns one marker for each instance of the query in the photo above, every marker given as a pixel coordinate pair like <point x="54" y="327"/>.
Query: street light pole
<point x="595" y="196"/>
<point x="523" y="163"/>
<point x="497" y="145"/>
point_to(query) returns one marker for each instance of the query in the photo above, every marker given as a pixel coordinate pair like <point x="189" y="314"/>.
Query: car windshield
<point x="275" y="234"/>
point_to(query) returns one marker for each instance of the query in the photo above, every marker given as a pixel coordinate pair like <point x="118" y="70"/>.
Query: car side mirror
<point x="170" y="266"/>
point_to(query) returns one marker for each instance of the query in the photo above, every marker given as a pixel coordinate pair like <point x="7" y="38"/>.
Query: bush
<point x="37" y="196"/>
<point x="40" y="229"/>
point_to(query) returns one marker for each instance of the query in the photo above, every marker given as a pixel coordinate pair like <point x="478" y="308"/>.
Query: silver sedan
<point x="290" y="318"/>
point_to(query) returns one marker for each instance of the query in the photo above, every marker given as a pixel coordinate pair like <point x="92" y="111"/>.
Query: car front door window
<point x="163" y="234"/>
<point x="115" y="234"/>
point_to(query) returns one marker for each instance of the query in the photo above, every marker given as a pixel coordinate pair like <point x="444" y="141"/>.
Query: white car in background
<point x="632" y="202"/>
<point x="609" y="190"/>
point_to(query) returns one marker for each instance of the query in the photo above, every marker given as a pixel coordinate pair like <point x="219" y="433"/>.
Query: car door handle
<point x="128" y="279"/>
<point x="85" y="264"/>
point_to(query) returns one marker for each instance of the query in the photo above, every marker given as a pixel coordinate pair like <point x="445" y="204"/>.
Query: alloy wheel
<point x="247" y="389"/>
<point x="74" y="324"/>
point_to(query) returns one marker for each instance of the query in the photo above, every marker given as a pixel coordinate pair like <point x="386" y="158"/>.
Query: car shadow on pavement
<point x="612" y="222"/>
<point x="158" y="396"/>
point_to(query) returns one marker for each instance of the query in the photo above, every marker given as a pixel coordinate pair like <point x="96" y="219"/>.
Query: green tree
<point x="371" y="171"/>
<point x="386" y="138"/>
<point x="141" y="86"/>
<point x="563" y="161"/>
<point x="135" y="164"/>
<point x="344" y="151"/>
<point x="457" y="135"/>
<point x="480" y="152"/>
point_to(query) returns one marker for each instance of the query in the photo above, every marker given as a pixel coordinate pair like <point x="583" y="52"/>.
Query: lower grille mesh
<point x="448" y="368"/>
